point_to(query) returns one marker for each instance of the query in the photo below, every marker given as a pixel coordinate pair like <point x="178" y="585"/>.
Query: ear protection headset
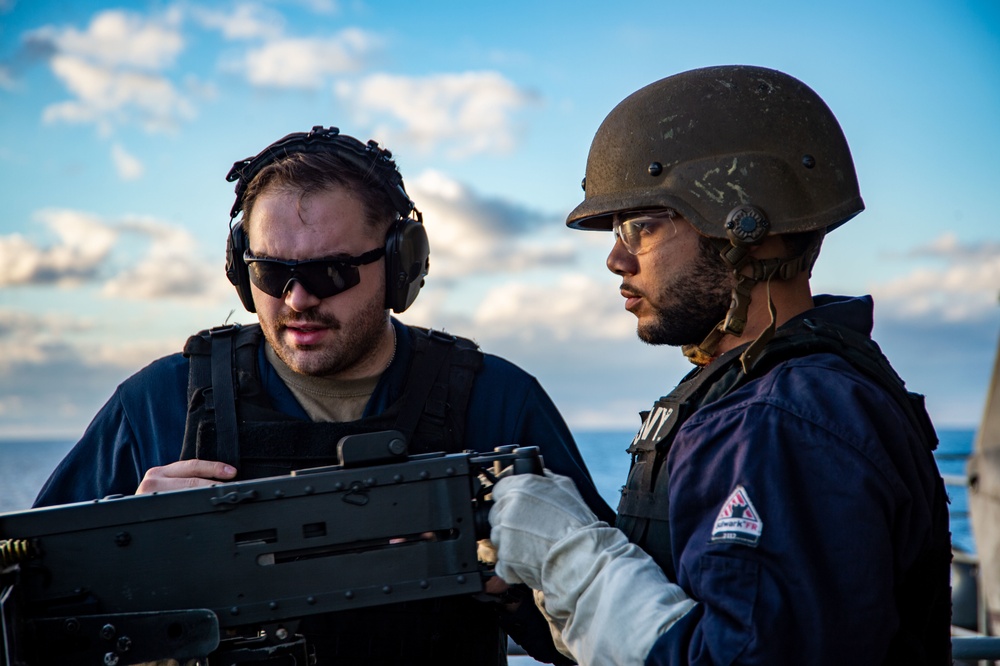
<point x="406" y="248"/>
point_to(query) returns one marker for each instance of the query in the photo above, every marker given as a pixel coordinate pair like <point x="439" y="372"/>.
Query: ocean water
<point x="24" y="467"/>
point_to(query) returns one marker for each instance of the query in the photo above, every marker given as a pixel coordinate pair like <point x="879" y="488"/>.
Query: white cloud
<point x="126" y="164"/>
<point x="108" y="97"/>
<point x="135" y="259"/>
<point x="131" y="354"/>
<point x="325" y="7"/>
<point x="470" y="113"/>
<point x="245" y="21"/>
<point x="965" y="288"/>
<point x="308" y="62"/>
<point x="6" y="78"/>
<point x="474" y="235"/>
<point x="117" y="38"/>
<point x="112" y="70"/>
<point x="948" y="247"/>
<point x="199" y="89"/>
<point x="35" y="338"/>
<point x="85" y="242"/>
<point x="573" y="307"/>
<point x="170" y="267"/>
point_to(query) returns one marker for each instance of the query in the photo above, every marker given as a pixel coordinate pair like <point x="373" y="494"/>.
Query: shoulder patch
<point x="738" y="520"/>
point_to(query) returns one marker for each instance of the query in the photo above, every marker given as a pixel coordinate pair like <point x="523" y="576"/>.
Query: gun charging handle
<point x="507" y="460"/>
<point x="518" y="459"/>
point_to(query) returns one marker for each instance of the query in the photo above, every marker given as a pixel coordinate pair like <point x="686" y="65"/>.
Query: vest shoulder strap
<point x="811" y="336"/>
<point x="222" y="361"/>
<point x="437" y="389"/>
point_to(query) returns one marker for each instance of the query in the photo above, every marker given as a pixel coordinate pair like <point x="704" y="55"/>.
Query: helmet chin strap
<point x="748" y="271"/>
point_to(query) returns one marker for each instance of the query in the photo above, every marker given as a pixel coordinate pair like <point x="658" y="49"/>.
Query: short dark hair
<point x="796" y="244"/>
<point x="308" y="173"/>
<point x="803" y="241"/>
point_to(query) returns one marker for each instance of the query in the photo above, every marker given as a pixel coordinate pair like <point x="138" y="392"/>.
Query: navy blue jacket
<point x="142" y="425"/>
<point x="834" y="490"/>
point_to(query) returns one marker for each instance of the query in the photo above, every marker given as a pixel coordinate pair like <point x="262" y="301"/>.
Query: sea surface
<point x="25" y="465"/>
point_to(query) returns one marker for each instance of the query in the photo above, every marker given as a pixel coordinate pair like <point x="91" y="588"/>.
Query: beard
<point x="350" y="345"/>
<point x="696" y="302"/>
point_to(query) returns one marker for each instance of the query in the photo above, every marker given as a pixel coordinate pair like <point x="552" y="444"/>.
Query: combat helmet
<point x="711" y="140"/>
<point x="741" y="152"/>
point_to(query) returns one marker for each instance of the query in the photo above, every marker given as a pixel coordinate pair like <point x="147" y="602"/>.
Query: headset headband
<point x="366" y="158"/>
<point x="406" y="246"/>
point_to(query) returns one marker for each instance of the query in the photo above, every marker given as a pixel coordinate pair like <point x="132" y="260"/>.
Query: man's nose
<point x="298" y="298"/>
<point x="620" y="260"/>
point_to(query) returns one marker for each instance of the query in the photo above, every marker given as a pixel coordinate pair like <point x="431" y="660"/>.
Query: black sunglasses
<point x="322" y="278"/>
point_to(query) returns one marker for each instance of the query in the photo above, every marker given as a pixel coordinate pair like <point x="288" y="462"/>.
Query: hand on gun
<point x="185" y="474"/>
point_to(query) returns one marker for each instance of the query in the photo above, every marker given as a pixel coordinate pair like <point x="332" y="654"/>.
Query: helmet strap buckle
<point x="702" y="354"/>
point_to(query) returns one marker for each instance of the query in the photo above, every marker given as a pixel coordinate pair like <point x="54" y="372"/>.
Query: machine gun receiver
<point x="177" y="574"/>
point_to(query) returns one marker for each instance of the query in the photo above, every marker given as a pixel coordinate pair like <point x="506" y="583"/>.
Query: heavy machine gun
<point x="223" y="574"/>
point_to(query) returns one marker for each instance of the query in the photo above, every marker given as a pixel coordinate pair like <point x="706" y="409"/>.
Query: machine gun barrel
<point x="380" y="528"/>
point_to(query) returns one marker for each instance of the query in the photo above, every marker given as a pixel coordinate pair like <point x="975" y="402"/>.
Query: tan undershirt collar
<point x="325" y="399"/>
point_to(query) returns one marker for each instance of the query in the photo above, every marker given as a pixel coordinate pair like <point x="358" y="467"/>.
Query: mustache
<point x="626" y="288"/>
<point x="313" y="317"/>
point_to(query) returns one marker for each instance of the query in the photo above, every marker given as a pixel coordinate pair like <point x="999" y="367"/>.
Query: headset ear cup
<point x="407" y="260"/>
<point x="236" y="269"/>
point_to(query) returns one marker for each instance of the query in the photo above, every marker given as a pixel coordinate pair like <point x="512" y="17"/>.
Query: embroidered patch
<point x="738" y="520"/>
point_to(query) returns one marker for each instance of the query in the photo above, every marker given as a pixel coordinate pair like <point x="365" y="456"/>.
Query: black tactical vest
<point x="924" y="598"/>
<point x="230" y="419"/>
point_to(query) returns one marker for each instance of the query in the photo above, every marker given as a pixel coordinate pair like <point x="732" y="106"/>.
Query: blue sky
<point x="120" y="121"/>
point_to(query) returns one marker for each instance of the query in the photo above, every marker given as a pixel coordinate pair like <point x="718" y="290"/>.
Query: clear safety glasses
<point x="641" y="230"/>
<point x="322" y="278"/>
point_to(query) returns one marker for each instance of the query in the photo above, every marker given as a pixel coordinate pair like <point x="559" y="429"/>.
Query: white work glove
<point x="608" y="598"/>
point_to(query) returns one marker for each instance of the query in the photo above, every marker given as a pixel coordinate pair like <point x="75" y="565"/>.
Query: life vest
<point x="230" y="418"/>
<point x="923" y="598"/>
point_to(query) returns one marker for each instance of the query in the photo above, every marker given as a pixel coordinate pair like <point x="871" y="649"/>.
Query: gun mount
<point x="232" y="567"/>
